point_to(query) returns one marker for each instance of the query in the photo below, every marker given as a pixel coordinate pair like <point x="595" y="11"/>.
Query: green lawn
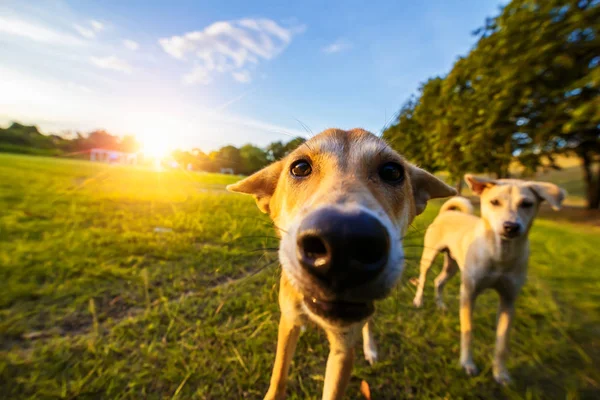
<point x="117" y="282"/>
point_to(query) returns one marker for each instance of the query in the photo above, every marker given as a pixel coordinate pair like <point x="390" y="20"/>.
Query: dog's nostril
<point x="313" y="248"/>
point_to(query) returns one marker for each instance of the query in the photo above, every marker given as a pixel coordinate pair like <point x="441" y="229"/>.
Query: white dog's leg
<point x="369" y="346"/>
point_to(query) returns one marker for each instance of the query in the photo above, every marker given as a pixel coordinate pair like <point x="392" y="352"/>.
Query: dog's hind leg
<point x="448" y="271"/>
<point x="467" y="302"/>
<point x="427" y="258"/>
<point x="369" y="347"/>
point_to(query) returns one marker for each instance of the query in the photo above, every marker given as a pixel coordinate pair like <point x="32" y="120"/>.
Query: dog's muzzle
<point x="342" y="249"/>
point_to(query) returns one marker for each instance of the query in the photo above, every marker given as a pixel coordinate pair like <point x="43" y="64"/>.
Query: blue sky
<point x="205" y="74"/>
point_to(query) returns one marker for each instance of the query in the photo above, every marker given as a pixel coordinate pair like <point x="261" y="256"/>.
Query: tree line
<point x="18" y="138"/>
<point x="527" y="92"/>
<point x="244" y="160"/>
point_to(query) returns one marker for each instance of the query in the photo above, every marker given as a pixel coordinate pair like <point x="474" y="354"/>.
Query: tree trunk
<point x="596" y="199"/>
<point x="592" y="184"/>
<point x="459" y="186"/>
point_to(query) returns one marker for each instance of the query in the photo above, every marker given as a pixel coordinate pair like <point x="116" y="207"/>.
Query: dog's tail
<point x="458" y="204"/>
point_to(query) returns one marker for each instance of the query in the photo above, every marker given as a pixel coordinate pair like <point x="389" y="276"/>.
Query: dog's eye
<point x="300" y="168"/>
<point x="526" y="203"/>
<point x="391" y="172"/>
<point x="495" y="202"/>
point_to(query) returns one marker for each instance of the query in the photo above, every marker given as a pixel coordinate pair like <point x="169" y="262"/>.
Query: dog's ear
<point x="261" y="185"/>
<point x="549" y="192"/>
<point x="478" y="185"/>
<point x="425" y="187"/>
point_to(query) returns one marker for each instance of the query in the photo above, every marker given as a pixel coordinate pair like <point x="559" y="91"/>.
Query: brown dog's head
<point x="343" y="202"/>
<point x="509" y="205"/>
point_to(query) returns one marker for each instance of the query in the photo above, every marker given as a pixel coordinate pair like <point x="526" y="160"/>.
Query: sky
<point x="185" y="74"/>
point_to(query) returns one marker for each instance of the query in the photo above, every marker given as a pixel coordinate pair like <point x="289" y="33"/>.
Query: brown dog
<point x="342" y="202"/>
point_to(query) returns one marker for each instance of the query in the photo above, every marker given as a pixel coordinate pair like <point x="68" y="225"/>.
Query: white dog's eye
<point x="391" y="172"/>
<point x="526" y="203"/>
<point x="300" y="168"/>
<point x="495" y="202"/>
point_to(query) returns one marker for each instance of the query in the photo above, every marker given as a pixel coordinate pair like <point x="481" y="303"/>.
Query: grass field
<point x="123" y="283"/>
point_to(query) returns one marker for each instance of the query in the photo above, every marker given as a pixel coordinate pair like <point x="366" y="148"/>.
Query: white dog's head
<point x="509" y="206"/>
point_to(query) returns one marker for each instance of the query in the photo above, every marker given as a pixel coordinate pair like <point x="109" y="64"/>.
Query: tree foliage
<point x="527" y="91"/>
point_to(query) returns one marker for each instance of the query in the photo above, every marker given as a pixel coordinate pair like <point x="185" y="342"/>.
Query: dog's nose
<point x="511" y="228"/>
<point x="342" y="249"/>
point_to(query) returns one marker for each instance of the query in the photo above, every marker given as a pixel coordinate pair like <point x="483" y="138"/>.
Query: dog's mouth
<point x="340" y="310"/>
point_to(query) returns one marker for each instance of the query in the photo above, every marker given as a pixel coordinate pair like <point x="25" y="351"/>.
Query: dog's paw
<point x="371" y="356"/>
<point x="502" y="377"/>
<point x="470" y="368"/>
<point x="418" y="301"/>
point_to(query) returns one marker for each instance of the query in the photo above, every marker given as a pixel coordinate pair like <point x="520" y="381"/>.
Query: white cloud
<point x="96" y="25"/>
<point x="197" y="75"/>
<point x="87" y="33"/>
<point x="112" y="62"/>
<point x="35" y="31"/>
<point x="131" y="44"/>
<point x="90" y="29"/>
<point x="229" y="46"/>
<point x="242" y="76"/>
<point x="337" y="47"/>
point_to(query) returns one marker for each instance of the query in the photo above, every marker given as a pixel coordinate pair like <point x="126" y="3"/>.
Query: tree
<point x="547" y="54"/>
<point x="293" y="145"/>
<point x="18" y="135"/>
<point x="253" y="159"/>
<point x="184" y="158"/>
<point x="228" y="157"/>
<point x="129" y="144"/>
<point x="202" y="161"/>
<point x="275" y="151"/>
<point x="412" y="134"/>
<point x="528" y="90"/>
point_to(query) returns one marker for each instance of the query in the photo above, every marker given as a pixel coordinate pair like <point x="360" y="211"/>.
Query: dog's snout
<point x="511" y="228"/>
<point x="342" y="249"/>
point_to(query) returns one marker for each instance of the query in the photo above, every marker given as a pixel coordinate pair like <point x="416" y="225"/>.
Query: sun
<point x="155" y="146"/>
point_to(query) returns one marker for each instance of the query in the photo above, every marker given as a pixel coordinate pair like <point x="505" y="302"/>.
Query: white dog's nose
<point x="343" y="249"/>
<point x="511" y="229"/>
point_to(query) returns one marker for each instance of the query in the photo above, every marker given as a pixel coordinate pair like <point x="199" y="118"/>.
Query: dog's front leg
<point x="340" y="361"/>
<point x="506" y="313"/>
<point x="287" y="339"/>
<point x="467" y="302"/>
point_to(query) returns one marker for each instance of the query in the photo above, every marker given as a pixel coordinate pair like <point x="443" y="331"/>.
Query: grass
<point x="126" y="283"/>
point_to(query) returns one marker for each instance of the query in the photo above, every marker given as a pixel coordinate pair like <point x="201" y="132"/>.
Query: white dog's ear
<point x="261" y="185"/>
<point x="478" y="185"/>
<point x="425" y="187"/>
<point x="549" y="192"/>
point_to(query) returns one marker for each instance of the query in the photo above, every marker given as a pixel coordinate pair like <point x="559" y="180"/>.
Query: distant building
<point x="228" y="171"/>
<point x="113" y="156"/>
